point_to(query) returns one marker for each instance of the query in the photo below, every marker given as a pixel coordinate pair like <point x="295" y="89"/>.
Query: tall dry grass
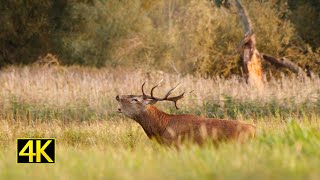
<point x="80" y="94"/>
<point x="77" y="107"/>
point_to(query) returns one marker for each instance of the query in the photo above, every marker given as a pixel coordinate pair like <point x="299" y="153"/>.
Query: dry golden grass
<point x="52" y="92"/>
<point x="77" y="107"/>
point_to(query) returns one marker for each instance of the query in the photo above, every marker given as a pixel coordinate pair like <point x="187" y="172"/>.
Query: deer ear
<point x="149" y="101"/>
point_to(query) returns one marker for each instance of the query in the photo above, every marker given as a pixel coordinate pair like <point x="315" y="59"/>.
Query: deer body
<point x="172" y="129"/>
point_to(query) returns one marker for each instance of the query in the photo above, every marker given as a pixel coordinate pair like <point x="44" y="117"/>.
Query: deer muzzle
<point x="118" y="99"/>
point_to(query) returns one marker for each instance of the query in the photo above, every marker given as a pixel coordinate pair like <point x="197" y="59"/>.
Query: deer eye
<point x="136" y="100"/>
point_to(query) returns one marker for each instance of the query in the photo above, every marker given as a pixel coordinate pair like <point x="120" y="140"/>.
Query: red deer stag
<point x="172" y="129"/>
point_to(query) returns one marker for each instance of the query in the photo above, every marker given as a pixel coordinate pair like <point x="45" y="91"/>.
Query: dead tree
<point x="252" y="58"/>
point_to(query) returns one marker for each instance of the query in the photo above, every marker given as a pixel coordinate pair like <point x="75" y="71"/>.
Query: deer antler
<point x="166" y="97"/>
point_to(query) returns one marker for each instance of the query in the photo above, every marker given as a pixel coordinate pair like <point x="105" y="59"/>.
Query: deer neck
<point x="153" y="121"/>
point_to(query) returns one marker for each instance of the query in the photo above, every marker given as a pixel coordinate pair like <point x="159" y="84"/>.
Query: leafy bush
<point x="195" y="36"/>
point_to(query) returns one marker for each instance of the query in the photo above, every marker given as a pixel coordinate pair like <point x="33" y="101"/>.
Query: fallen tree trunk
<point x="284" y="63"/>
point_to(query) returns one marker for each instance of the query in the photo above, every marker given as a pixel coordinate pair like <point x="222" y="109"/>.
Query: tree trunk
<point x="251" y="57"/>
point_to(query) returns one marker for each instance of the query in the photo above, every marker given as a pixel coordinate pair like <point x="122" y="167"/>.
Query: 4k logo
<point x="35" y="150"/>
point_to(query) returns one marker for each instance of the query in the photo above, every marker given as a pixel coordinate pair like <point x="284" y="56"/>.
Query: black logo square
<point x="36" y="150"/>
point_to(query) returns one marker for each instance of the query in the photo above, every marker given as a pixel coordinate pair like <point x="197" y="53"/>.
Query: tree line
<point x="196" y="36"/>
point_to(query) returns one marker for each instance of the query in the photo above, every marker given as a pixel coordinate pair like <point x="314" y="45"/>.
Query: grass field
<point x="77" y="107"/>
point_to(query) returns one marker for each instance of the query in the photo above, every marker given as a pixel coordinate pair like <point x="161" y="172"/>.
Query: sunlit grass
<point x="119" y="149"/>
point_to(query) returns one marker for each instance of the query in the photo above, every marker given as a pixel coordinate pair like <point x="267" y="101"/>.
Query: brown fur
<point x="172" y="129"/>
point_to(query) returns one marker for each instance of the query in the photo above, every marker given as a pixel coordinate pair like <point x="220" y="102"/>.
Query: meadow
<point x="76" y="105"/>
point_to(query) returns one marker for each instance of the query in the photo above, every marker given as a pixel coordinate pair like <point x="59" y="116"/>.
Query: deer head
<point x="134" y="105"/>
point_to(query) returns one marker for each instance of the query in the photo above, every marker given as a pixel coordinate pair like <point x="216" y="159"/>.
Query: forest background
<point x="194" y="36"/>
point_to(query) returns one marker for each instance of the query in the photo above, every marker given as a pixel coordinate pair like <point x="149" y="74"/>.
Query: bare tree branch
<point x="284" y="63"/>
<point x="246" y="22"/>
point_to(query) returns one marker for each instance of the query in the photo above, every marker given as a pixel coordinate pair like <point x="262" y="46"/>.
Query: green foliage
<point x="306" y="18"/>
<point x="104" y="24"/>
<point x="24" y="30"/>
<point x="104" y="150"/>
<point x="196" y="36"/>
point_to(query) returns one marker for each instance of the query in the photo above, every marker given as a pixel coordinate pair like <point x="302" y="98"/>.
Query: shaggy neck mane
<point x="153" y="121"/>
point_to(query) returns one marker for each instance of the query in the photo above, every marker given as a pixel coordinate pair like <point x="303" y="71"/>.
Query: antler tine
<point x="144" y="94"/>
<point x="151" y="93"/>
<point x="166" y="97"/>
<point x="170" y="91"/>
<point x="175" y="99"/>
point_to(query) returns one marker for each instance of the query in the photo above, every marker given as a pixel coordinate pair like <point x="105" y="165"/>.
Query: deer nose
<point x="117" y="98"/>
